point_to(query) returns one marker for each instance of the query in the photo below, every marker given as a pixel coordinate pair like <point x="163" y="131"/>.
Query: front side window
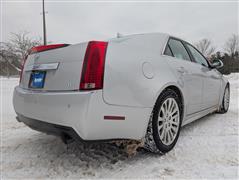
<point x="197" y="56"/>
<point x="178" y="49"/>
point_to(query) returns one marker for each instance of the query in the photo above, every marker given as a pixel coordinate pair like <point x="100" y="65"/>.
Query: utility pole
<point x="44" y="22"/>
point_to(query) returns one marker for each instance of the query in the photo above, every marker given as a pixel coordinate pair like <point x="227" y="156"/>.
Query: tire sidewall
<point x="223" y="109"/>
<point x="165" y="95"/>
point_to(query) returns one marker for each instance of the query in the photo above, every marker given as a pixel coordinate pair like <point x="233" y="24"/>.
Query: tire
<point x="164" y="124"/>
<point x="225" y="101"/>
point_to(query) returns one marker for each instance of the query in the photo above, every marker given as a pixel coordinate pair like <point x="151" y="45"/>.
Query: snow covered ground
<point x="207" y="148"/>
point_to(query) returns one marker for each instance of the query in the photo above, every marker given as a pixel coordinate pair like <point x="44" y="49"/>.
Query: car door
<point x="211" y="79"/>
<point x="188" y="74"/>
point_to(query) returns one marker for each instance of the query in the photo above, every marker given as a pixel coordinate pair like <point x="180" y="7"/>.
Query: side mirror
<point x="217" y="64"/>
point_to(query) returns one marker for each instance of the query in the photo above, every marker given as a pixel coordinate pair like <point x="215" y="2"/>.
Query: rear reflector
<point x="46" y="48"/>
<point x="114" y="117"/>
<point x="92" y="74"/>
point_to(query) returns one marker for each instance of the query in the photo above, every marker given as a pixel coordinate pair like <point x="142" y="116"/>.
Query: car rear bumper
<point x="82" y="112"/>
<point x="66" y="133"/>
<point x="60" y="108"/>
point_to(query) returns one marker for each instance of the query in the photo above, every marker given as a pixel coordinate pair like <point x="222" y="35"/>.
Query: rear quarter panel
<point x="124" y="80"/>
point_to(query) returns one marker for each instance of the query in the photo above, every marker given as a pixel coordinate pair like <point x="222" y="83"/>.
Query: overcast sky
<point x="73" y="22"/>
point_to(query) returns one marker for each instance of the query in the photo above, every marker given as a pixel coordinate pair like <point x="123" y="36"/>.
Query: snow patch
<point x="207" y="148"/>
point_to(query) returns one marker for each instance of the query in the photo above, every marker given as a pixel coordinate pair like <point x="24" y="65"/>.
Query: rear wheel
<point x="165" y="123"/>
<point x="225" y="101"/>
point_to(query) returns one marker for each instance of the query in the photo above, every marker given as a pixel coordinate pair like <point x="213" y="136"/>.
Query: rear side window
<point x="168" y="51"/>
<point x="178" y="49"/>
<point x="197" y="56"/>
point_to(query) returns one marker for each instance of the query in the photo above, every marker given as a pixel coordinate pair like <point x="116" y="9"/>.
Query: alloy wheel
<point x="168" y="121"/>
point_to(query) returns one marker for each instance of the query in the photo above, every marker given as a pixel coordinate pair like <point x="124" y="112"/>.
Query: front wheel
<point x="165" y="123"/>
<point x="225" y="101"/>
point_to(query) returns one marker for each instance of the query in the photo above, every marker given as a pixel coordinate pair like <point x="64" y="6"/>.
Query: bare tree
<point x="205" y="47"/>
<point x="20" y="43"/>
<point x="231" y="45"/>
<point x="9" y="63"/>
<point x="14" y="51"/>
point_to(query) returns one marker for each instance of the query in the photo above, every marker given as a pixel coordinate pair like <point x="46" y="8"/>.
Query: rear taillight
<point x="92" y="74"/>
<point x="46" y="48"/>
<point x="22" y="67"/>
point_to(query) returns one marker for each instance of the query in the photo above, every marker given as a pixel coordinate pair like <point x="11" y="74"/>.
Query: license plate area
<point x="37" y="79"/>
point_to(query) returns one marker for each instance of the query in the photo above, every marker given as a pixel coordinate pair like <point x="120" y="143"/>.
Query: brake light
<point x="22" y="67"/>
<point x="46" y="48"/>
<point x="92" y="74"/>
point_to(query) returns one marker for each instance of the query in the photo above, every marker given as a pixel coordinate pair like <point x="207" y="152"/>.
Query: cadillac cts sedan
<point x="139" y="87"/>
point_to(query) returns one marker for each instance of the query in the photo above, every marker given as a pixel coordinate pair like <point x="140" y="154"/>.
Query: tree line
<point x="229" y="56"/>
<point x="13" y="52"/>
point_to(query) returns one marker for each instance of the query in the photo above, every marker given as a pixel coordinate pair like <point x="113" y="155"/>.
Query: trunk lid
<point x="62" y="68"/>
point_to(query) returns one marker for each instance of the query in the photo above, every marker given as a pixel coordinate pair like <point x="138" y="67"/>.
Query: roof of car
<point x="140" y="34"/>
